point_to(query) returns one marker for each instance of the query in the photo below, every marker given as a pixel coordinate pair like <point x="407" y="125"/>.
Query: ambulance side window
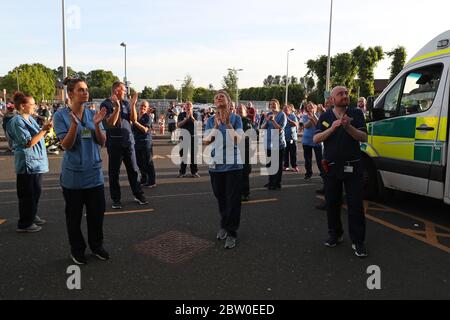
<point x="420" y="89"/>
<point x="391" y="101"/>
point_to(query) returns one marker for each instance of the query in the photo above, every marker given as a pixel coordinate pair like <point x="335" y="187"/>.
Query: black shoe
<point x="322" y="207"/>
<point x="78" y="258"/>
<point x="101" y="254"/>
<point x="308" y="178"/>
<point x="245" y="198"/>
<point x="272" y="188"/>
<point x="141" y="200"/>
<point x="266" y="186"/>
<point x="333" y="242"/>
<point x="360" y="250"/>
<point x="117" y="205"/>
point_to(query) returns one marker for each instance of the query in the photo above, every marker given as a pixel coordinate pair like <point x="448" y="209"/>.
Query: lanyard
<point x="81" y="121"/>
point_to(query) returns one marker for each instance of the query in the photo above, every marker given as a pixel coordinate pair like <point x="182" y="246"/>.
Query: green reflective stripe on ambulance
<point x="398" y="127"/>
<point x="430" y="55"/>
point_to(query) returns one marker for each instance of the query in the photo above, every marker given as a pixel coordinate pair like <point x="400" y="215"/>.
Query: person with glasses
<point x="31" y="161"/>
<point x="82" y="136"/>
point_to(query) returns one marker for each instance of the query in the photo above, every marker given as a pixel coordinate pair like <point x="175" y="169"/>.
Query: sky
<point x="168" y="39"/>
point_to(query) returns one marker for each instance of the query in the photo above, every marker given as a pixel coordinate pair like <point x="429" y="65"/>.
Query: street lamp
<point x="237" y="86"/>
<point x="287" y="77"/>
<point x="329" y="53"/>
<point x="64" y="47"/>
<point x="181" y="89"/>
<point x="123" y="44"/>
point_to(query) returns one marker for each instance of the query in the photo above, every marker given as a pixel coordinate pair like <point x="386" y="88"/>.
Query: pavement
<point x="167" y="250"/>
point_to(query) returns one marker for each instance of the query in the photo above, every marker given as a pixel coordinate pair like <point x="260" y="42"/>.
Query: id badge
<point x="86" y="134"/>
<point x="348" y="169"/>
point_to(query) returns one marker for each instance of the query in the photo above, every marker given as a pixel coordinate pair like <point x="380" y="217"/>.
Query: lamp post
<point x="237" y="86"/>
<point x="64" y="47"/>
<point x="329" y="54"/>
<point x="123" y="44"/>
<point x="287" y="77"/>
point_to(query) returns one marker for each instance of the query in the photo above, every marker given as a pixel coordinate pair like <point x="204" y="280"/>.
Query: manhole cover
<point x="173" y="247"/>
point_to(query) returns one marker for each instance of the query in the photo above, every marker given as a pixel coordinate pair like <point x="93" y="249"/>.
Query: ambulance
<point x="408" y="147"/>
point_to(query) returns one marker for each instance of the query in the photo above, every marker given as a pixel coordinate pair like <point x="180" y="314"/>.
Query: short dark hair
<point x="71" y="83"/>
<point x="117" y="84"/>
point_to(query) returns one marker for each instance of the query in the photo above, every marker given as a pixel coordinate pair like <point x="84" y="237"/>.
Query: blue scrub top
<point x="82" y="165"/>
<point x="27" y="160"/>
<point x="308" y="133"/>
<point x="291" y="132"/>
<point x="237" y="164"/>
<point x="281" y="120"/>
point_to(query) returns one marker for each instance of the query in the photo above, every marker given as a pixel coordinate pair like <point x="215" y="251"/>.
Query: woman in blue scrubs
<point x="226" y="167"/>
<point x="30" y="161"/>
<point x="82" y="135"/>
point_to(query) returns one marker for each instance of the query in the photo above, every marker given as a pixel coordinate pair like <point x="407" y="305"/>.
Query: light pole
<point x="181" y="90"/>
<point x="329" y="54"/>
<point x="287" y="77"/>
<point x="237" y="86"/>
<point x="64" y="47"/>
<point x="123" y="44"/>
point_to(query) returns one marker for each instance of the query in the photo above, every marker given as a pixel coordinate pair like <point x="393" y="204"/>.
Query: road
<point x="168" y="250"/>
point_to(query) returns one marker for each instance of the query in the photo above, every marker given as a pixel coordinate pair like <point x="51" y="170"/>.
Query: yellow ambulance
<point x="408" y="147"/>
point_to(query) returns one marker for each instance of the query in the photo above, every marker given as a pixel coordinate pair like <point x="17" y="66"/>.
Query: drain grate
<point x="173" y="247"/>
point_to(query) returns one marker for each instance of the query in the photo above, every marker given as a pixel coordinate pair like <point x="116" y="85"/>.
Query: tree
<point x="367" y="60"/>
<point x="398" y="56"/>
<point x="229" y="83"/>
<point x="268" y="81"/>
<point x="318" y="69"/>
<point x="147" y="93"/>
<point x="188" y="89"/>
<point x="59" y="73"/>
<point x="35" y="79"/>
<point x="276" y="80"/>
<point x="203" y="95"/>
<point x="100" y="83"/>
<point x="165" y="92"/>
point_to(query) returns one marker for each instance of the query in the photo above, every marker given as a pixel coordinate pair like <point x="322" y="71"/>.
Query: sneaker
<point x="78" y="258"/>
<point x="308" y="178"/>
<point x="101" y="254"/>
<point x="334" y="242"/>
<point x="360" y="250"/>
<point x="196" y="175"/>
<point x="151" y="186"/>
<point x="141" y="200"/>
<point x="230" y="243"/>
<point x="222" y="234"/>
<point x="39" y="222"/>
<point x="31" y="229"/>
<point x="285" y="169"/>
<point x="266" y="185"/>
<point x="296" y="170"/>
<point x="245" y="198"/>
<point x="117" y="205"/>
<point x="182" y="175"/>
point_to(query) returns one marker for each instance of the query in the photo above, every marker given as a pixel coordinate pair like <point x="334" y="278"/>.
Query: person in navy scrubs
<point x="82" y="136"/>
<point x="30" y="161"/>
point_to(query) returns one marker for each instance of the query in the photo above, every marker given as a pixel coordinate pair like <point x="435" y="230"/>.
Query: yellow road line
<point x="118" y="213"/>
<point x="260" y="201"/>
